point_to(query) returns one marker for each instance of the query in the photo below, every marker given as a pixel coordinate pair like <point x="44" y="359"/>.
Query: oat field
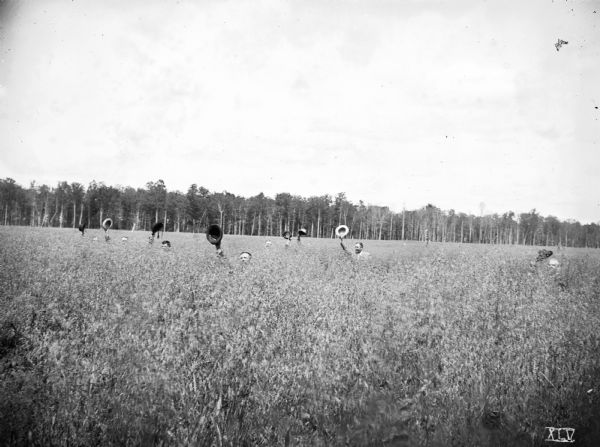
<point x="124" y="343"/>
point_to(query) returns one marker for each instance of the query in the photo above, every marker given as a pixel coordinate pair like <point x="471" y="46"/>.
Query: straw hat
<point x="342" y="231"/>
<point x="107" y="224"/>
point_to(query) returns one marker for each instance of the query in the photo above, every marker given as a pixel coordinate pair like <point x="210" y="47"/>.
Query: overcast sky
<point x="397" y="103"/>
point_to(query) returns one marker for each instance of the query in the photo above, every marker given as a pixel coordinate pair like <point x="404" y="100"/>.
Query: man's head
<point x="245" y="256"/>
<point x="358" y="247"/>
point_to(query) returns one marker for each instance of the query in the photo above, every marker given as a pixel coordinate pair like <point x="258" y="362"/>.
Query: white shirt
<point x="363" y="256"/>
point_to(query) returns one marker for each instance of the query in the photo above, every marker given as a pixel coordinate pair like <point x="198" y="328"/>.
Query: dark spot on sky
<point x="560" y="43"/>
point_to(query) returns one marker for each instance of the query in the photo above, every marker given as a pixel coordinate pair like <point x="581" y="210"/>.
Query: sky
<point x="396" y="103"/>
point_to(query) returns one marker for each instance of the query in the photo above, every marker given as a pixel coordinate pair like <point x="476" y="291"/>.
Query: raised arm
<point x="341" y="232"/>
<point x="344" y="247"/>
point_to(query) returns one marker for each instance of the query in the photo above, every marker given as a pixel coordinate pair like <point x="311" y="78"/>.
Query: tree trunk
<point x="136" y="224"/>
<point x="89" y="218"/>
<point x="220" y="208"/>
<point x="403" y="224"/>
<point x="32" y="220"/>
<point x="55" y="211"/>
<point x="269" y="224"/>
<point x="260" y="224"/>
<point x="471" y="230"/>
<point x="319" y="223"/>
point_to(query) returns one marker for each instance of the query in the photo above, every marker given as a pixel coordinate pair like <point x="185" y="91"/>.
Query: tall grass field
<point x="126" y="343"/>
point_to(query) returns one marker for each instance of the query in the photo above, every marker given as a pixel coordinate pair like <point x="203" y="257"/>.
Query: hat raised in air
<point x="107" y="224"/>
<point x="214" y="234"/>
<point x="158" y="226"/>
<point x="342" y="231"/>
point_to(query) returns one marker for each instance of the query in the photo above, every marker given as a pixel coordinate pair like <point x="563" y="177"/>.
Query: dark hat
<point x="287" y="235"/>
<point x="214" y="234"/>
<point x="158" y="226"/>
<point x="543" y="254"/>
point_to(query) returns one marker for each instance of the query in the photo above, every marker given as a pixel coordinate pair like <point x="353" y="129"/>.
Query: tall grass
<point x="129" y="344"/>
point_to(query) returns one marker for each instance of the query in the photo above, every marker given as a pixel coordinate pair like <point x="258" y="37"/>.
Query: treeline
<point x="71" y="204"/>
